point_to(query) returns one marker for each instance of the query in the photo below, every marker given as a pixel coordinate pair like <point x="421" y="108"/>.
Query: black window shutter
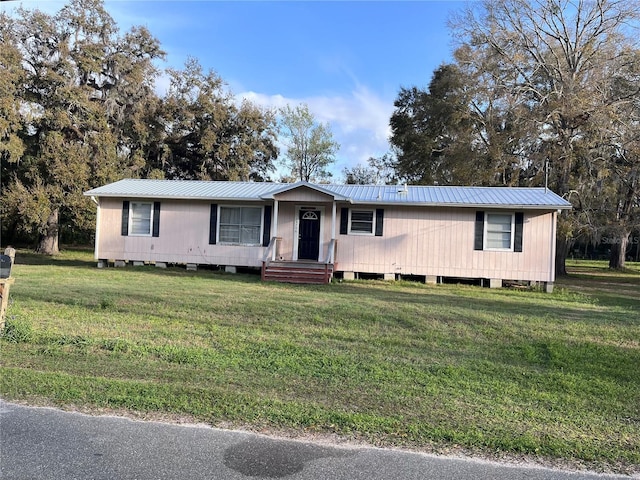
<point x="266" y="236"/>
<point x="479" y="233"/>
<point x="517" y="238"/>
<point x="379" y="221"/>
<point x="156" y="219"/>
<point x="213" y="223"/>
<point x="344" y="221"/>
<point x="125" y="218"/>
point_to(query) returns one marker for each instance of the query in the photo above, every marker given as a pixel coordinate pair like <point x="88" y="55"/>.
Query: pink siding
<point x="286" y="223"/>
<point x="184" y="237"/>
<point x="419" y="241"/>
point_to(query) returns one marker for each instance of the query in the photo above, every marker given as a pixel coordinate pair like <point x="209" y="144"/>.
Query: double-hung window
<point x="140" y="218"/>
<point x="240" y="225"/>
<point x="361" y="222"/>
<point x="499" y="231"/>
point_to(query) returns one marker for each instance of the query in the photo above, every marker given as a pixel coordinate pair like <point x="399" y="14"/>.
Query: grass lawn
<point x="493" y="372"/>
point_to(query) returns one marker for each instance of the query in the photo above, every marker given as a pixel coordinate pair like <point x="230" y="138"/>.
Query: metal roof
<point x="184" y="189"/>
<point x="454" y="196"/>
<point x="521" y="197"/>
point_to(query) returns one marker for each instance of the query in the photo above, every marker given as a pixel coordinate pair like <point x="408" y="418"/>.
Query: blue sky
<point x="345" y="60"/>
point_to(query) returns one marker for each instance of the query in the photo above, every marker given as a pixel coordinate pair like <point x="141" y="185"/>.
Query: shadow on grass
<point x="83" y="258"/>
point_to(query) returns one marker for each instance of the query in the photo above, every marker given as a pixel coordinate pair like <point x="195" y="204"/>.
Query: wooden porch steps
<point x="297" y="272"/>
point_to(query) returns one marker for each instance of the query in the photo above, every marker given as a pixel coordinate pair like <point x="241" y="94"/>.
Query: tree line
<point x="539" y="92"/>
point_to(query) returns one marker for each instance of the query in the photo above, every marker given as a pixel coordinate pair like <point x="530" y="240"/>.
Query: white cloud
<point x="162" y="83"/>
<point x="359" y="121"/>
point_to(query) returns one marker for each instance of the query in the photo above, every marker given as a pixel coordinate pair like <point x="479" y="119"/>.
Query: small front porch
<point x="298" y="271"/>
<point x="302" y="230"/>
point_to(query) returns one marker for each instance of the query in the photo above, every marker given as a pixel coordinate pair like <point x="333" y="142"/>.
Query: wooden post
<point x="5" y="285"/>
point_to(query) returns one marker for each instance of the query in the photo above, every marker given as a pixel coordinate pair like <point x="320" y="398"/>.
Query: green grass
<point x="430" y="367"/>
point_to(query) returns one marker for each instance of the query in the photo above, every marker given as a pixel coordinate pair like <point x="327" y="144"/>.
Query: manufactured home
<point x="308" y="232"/>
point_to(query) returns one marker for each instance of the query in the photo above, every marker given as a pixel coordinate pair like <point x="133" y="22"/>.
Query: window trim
<point x="130" y="232"/>
<point x="373" y="222"/>
<point x="511" y="232"/>
<point x="219" y="224"/>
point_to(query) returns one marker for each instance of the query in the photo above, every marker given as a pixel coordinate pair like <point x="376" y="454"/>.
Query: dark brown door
<point x="309" y="235"/>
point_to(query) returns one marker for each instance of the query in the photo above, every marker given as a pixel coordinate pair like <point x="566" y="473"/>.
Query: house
<point x="302" y="231"/>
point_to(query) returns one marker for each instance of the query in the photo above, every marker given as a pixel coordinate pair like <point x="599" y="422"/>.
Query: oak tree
<point x="77" y="73"/>
<point x="208" y="135"/>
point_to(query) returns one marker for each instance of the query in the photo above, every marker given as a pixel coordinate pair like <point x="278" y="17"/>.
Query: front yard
<point x="437" y="368"/>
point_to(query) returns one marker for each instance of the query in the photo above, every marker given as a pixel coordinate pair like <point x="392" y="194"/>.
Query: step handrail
<point x="331" y="252"/>
<point x="329" y="260"/>
<point x="269" y="255"/>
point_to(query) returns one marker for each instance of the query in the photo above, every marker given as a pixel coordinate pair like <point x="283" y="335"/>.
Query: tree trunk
<point x="619" y="250"/>
<point x="562" y="250"/>
<point x="49" y="240"/>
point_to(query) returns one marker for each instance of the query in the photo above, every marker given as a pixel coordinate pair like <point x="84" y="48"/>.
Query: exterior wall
<point x="415" y="241"/>
<point x="286" y="224"/>
<point x="184" y="237"/>
<point x="440" y="242"/>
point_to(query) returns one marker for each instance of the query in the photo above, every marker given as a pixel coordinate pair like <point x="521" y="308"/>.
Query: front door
<point x="309" y="235"/>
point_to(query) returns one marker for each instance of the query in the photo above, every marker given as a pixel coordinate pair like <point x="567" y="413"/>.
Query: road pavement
<point x="45" y="444"/>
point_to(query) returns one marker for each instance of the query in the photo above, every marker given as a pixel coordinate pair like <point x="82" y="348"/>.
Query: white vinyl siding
<point x="140" y="219"/>
<point x="499" y="231"/>
<point x="240" y="225"/>
<point x="361" y="222"/>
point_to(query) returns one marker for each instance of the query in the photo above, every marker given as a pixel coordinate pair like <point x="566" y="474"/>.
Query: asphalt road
<point x="45" y="443"/>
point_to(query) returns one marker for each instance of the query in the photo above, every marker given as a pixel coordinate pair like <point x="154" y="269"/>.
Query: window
<point x="140" y="218"/>
<point x="499" y="231"/>
<point x="361" y="221"/>
<point x="240" y="225"/>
